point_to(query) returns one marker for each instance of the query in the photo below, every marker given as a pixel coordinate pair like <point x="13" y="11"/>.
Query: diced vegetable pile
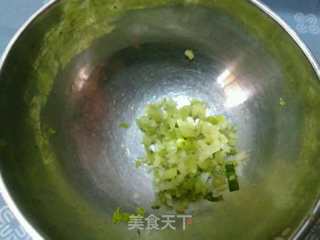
<point x="190" y="154"/>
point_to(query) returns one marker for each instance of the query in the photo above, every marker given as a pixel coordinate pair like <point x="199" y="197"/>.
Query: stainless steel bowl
<point x="79" y="68"/>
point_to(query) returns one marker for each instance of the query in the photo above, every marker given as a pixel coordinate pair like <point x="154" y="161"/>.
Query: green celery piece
<point x="117" y="216"/>
<point x="140" y="211"/>
<point x="232" y="178"/>
<point x="189" y="54"/>
<point x="212" y="198"/>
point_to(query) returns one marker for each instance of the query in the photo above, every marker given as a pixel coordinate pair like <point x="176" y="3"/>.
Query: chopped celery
<point x="189" y="54"/>
<point x="140" y="212"/>
<point x="232" y="177"/>
<point x="210" y="197"/>
<point x="188" y="152"/>
<point x="282" y="102"/>
<point x="119" y="216"/>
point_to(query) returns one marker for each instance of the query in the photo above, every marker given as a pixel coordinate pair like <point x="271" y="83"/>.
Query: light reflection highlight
<point x="83" y="76"/>
<point x="235" y="94"/>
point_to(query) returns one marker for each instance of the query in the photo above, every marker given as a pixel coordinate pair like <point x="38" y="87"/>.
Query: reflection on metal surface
<point x="79" y="83"/>
<point x="225" y="78"/>
<point x="235" y="94"/>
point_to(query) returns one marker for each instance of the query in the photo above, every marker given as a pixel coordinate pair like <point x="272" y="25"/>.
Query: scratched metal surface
<point x="303" y="16"/>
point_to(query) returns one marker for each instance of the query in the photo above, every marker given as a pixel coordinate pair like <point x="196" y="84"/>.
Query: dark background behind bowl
<point x="13" y="13"/>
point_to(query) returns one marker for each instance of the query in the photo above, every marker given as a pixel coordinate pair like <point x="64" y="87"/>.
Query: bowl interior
<point x="82" y="69"/>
